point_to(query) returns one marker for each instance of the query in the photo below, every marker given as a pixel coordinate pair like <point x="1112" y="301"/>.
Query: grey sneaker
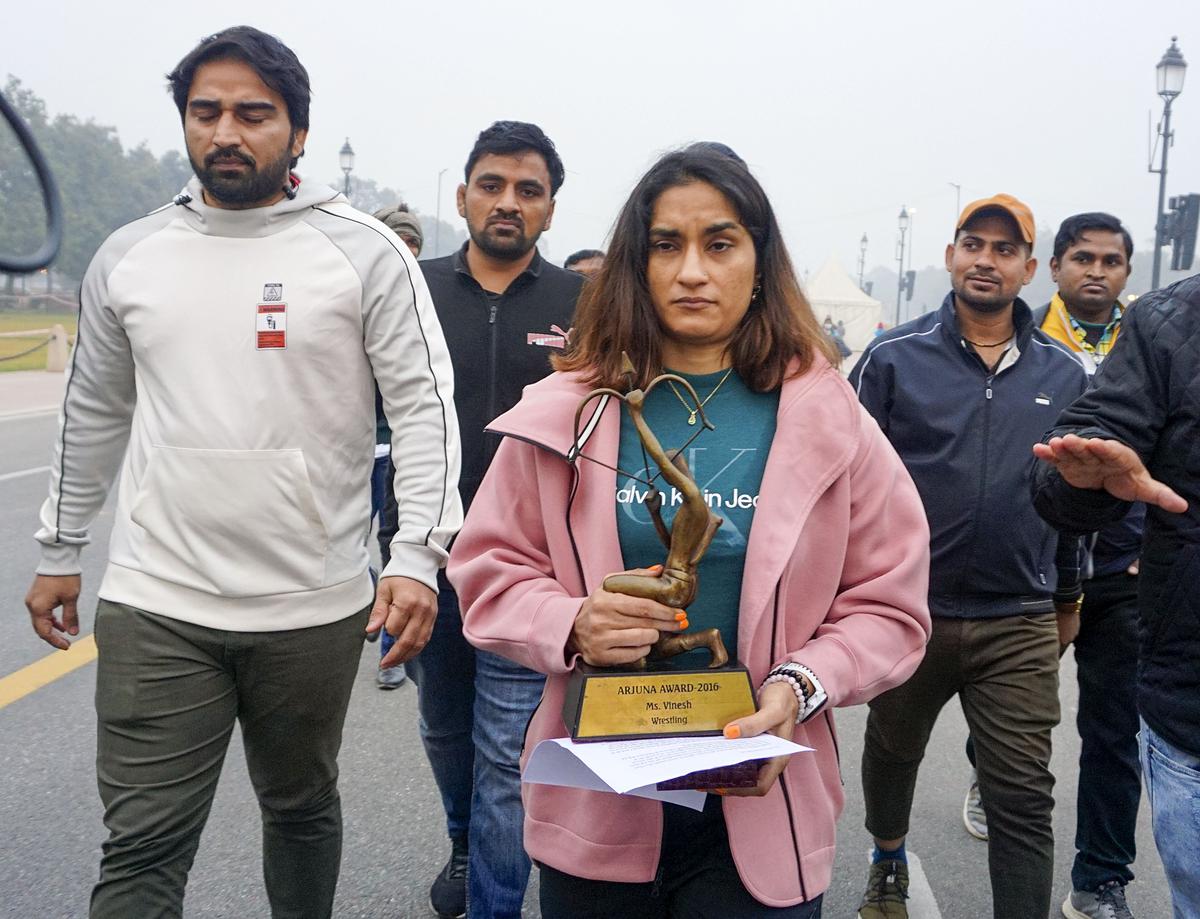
<point x="974" y="819"/>
<point x="1108" y="902"/>
<point x="887" y="891"/>
<point x="391" y="677"/>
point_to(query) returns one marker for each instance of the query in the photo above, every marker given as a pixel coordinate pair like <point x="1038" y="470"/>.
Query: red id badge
<point x="271" y="326"/>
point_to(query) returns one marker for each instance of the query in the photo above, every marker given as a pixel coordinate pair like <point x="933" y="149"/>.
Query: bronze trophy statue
<point x="652" y="698"/>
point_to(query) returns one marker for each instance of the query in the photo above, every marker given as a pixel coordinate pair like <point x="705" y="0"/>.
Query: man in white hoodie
<point x="228" y="348"/>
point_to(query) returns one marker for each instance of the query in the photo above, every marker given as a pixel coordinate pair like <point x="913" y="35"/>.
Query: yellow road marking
<point x="33" y="677"/>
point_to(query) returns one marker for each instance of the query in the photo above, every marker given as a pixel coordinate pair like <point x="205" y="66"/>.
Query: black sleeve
<point x="1129" y="403"/>
<point x="389" y="518"/>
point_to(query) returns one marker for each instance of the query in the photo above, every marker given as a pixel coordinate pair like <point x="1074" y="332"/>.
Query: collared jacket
<point x="1147" y="395"/>
<point x="966" y="434"/>
<point x="499" y="343"/>
<point x="836" y="574"/>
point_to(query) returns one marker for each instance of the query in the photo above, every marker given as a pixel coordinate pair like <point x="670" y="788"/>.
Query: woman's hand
<point x="613" y="629"/>
<point x="777" y="710"/>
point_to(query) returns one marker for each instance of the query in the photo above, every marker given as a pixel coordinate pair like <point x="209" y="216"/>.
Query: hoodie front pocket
<point x="237" y="523"/>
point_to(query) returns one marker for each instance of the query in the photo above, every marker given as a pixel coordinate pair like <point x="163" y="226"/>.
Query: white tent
<point x="833" y="293"/>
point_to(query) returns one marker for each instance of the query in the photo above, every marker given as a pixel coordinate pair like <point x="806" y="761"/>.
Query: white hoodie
<point x="230" y="356"/>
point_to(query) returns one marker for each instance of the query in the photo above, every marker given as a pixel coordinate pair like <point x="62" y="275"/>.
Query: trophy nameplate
<point x="603" y="703"/>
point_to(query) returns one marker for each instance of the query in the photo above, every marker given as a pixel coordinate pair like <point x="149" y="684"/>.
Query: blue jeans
<point x="474" y="708"/>
<point x="1172" y="780"/>
<point x="505" y="696"/>
<point x="444" y="673"/>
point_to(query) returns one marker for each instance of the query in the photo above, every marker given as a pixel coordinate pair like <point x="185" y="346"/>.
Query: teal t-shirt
<point x="727" y="463"/>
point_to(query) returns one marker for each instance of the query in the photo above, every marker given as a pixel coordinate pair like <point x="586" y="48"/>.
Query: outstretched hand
<point x="1107" y="465"/>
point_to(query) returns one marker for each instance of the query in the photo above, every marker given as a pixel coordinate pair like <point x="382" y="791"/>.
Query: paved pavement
<point x="29" y="391"/>
<point x="50" y="828"/>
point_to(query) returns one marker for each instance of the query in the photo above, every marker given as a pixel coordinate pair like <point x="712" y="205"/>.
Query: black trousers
<point x="696" y="880"/>
<point x="1110" y="776"/>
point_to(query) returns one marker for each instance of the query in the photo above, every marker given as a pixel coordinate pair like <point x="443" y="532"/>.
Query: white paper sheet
<point x="634" y="766"/>
<point x="552" y="764"/>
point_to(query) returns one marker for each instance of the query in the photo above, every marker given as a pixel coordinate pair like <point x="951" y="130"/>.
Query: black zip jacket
<point x="499" y="344"/>
<point x="1115" y="547"/>
<point x="1146" y="394"/>
<point x="966" y="436"/>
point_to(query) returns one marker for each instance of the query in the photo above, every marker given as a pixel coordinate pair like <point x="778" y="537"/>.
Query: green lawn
<point x="19" y="322"/>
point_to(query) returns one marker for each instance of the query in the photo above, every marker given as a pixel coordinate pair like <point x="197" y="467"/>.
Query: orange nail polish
<point x="680" y="616"/>
<point x="683" y="625"/>
<point x="732" y="731"/>
<point x="657" y="569"/>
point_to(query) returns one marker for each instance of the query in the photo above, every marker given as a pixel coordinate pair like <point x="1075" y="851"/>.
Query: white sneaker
<point x="974" y="818"/>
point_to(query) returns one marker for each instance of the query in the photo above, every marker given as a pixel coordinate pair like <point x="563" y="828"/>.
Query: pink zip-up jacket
<point x="837" y="569"/>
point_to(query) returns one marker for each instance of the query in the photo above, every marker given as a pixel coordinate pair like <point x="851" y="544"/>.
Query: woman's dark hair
<point x="1072" y="228"/>
<point x="615" y="312"/>
<point x="505" y="138"/>
<point x="274" y="62"/>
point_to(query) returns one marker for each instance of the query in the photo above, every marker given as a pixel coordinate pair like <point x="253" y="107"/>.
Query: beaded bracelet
<point x="781" y="676"/>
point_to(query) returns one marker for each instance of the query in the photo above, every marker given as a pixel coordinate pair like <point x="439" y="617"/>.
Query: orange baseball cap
<point x="1017" y="210"/>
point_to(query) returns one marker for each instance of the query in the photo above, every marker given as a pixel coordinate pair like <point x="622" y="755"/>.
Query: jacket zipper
<point x="493" y="330"/>
<point x="987" y="415"/>
<point x="983" y="463"/>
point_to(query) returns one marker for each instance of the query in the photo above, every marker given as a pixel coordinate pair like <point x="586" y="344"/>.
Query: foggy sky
<point x="844" y="110"/>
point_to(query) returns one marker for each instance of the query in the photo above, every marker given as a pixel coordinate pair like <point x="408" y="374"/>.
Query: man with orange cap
<point x="960" y="393"/>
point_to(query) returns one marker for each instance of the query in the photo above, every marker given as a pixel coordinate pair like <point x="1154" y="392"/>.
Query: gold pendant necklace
<point x="693" y="411"/>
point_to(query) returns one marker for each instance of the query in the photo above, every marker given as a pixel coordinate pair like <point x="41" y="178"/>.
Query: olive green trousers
<point x="167" y="696"/>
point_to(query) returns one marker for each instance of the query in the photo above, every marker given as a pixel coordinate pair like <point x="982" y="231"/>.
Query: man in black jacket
<point x="957" y="392"/>
<point x="1135" y="436"/>
<point x="505" y="311"/>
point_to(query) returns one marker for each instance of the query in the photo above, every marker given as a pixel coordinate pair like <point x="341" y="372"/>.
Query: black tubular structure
<point x="18" y="264"/>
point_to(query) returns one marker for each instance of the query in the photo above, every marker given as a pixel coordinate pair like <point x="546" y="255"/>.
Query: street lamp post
<point x="346" y="161"/>
<point x="957" y="198"/>
<point x="900" y="260"/>
<point x="1170" y="72"/>
<point x="437" y="226"/>
<point x="862" y="259"/>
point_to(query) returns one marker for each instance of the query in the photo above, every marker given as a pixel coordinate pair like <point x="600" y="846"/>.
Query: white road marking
<point x="28" y="413"/>
<point x="921" y="902"/>
<point x="20" y="473"/>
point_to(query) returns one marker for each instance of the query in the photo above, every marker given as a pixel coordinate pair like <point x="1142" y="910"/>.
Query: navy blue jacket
<point x="1147" y="395"/>
<point x="966" y="436"/>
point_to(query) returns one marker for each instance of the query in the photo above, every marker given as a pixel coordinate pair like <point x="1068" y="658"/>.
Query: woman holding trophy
<point x="814" y="572"/>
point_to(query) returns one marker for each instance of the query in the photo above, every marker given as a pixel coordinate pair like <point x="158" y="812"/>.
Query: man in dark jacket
<point x="1090" y="265"/>
<point x="505" y="311"/>
<point x="957" y="392"/>
<point x="1135" y="436"/>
